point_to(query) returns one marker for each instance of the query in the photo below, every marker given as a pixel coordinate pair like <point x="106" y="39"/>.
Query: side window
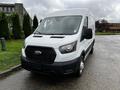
<point x="85" y="26"/>
<point x="86" y="22"/>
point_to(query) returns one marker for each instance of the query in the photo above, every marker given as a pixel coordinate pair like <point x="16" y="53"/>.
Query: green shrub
<point x="17" y="33"/>
<point x="4" y="30"/>
<point x="27" y="25"/>
<point x="35" y="23"/>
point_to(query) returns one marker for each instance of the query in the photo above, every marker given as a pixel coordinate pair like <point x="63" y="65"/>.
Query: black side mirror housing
<point x="88" y="33"/>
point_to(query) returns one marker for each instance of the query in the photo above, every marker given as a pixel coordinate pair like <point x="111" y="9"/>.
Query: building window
<point x="2" y="8"/>
<point x="5" y="9"/>
<point x="9" y="10"/>
<point x="13" y="9"/>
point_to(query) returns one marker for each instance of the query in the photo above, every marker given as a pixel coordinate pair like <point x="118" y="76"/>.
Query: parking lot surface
<point x="102" y="72"/>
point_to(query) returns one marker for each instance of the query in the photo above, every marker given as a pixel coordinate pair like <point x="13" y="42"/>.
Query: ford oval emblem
<point x="38" y="52"/>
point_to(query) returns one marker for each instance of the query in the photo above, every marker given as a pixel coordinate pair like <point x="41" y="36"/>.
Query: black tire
<point x="91" y="52"/>
<point x="78" y="73"/>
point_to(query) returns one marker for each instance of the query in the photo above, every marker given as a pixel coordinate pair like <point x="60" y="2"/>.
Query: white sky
<point x="108" y="9"/>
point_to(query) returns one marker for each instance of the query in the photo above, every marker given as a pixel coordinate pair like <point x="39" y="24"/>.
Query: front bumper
<point x="60" y="68"/>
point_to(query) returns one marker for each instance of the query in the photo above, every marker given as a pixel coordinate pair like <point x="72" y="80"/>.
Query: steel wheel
<point x="80" y="69"/>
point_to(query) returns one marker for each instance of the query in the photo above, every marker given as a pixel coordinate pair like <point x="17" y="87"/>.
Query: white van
<point x="61" y="43"/>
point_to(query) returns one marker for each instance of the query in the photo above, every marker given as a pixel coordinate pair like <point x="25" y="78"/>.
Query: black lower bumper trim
<point x="55" y="68"/>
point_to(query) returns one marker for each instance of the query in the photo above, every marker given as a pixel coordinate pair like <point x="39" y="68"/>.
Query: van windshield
<point x="61" y="25"/>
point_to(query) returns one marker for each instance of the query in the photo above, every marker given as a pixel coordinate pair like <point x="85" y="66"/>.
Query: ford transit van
<point x="61" y="43"/>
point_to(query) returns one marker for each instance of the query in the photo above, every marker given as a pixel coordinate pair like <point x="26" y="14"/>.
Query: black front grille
<point x="43" y="55"/>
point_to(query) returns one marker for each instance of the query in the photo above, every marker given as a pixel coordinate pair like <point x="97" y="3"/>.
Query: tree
<point x="35" y="23"/>
<point x="17" y="33"/>
<point x="4" y="30"/>
<point x="104" y="21"/>
<point x="27" y="25"/>
<point x="104" y="25"/>
<point x="97" y="24"/>
<point x="101" y="25"/>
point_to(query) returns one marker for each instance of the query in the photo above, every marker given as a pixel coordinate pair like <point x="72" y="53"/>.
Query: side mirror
<point x="88" y="33"/>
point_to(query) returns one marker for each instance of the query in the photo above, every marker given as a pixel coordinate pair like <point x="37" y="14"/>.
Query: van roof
<point x="67" y="12"/>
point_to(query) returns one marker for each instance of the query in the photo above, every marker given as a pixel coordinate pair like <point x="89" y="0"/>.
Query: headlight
<point x="68" y="48"/>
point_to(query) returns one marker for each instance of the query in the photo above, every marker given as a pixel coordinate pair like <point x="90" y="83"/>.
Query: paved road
<point x="102" y="72"/>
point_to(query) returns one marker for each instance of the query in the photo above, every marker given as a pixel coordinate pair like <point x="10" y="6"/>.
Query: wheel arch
<point x="83" y="54"/>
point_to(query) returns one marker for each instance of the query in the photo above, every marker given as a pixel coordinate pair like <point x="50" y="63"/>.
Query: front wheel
<point x="80" y="69"/>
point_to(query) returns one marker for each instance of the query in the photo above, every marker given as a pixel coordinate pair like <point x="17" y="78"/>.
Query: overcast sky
<point x="108" y="9"/>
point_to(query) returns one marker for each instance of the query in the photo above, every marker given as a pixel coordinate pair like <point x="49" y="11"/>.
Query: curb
<point x="10" y="71"/>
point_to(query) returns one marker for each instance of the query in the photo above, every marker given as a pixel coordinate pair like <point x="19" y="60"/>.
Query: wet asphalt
<point x="102" y="72"/>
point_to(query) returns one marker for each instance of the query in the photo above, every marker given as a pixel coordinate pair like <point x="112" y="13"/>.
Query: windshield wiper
<point x="54" y="33"/>
<point x="62" y="34"/>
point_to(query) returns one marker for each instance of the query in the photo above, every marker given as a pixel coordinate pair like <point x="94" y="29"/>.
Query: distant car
<point x="61" y="43"/>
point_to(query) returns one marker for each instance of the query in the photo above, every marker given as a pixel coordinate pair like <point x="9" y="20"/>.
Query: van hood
<point x="50" y="40"/>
